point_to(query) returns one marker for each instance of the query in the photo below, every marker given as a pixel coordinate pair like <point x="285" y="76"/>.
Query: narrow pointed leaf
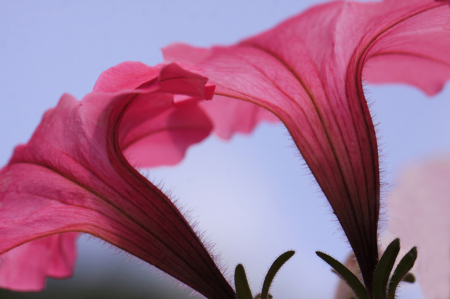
<point x="347" y="275"/>
<point x="384" y="269"/>
<point x="401" y="271"/>
<point x="343" y="291"/>
<point x="276" y="266"/>
<point x="241" y="283"/>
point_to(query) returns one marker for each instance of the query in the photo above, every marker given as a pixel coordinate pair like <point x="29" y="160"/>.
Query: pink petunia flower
<point x="309" y="72"/>
<point x="74" y="175"/>
<point x="419" y="206"/>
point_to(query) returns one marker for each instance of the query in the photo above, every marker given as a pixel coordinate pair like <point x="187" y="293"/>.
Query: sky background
<point x="253" y="196"/>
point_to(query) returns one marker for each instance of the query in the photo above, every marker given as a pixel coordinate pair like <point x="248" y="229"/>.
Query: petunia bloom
<point x="74" y="175"/>
<point x="309" y="72"/>
<point x="419" y="206"/>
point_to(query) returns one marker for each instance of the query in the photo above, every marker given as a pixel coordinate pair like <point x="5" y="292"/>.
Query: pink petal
<point x="229" y="116"/>
<point x="126" y="75"/>
<point x="72" y="176"/>
<point x="308" y="72"/>
<point x="25" y="267"/>
<point x="416" y="50"/>
<point x="419" y="207"/>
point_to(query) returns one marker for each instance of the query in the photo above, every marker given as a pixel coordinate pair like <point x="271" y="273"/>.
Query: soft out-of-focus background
<point x="252" y="196"/>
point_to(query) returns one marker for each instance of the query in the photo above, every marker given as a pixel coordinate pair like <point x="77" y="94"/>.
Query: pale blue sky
<point x="252" y="196"/>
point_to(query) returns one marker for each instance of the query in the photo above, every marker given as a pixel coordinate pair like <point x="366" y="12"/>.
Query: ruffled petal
<point x="414" y="49"/>
<point x="229" y="116"/>
<point x="25" y="267"/>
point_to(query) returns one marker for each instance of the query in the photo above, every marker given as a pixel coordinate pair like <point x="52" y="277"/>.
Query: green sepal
<point x="384" y="269"/>
<point x="401" y="272"/>
<point x="409" y="277"/>
<point x="258" y="296"/>
<point x="273" y="270"/>
<point x="347" y="275"/>
<point x="241" y="283"/>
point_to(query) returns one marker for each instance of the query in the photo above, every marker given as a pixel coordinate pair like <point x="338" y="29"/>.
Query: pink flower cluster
<point x="75" y="174"/>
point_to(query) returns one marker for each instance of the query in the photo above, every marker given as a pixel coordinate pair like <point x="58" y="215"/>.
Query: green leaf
<point x="347" y="275"/>
<point x="401" y="272"/>
<point x="384" y="269"/>
<point x="241" y="283"/>
<point x="277" y="264"/>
